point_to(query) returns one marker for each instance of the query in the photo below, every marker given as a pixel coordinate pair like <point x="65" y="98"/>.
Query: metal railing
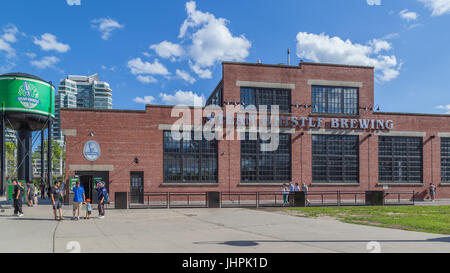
<point x="168" y="200"/>
<point x="261" y="199"/>
<point x="399" y="198"/>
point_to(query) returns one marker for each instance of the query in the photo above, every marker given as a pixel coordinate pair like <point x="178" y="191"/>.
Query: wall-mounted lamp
<point x="433" y="137"/>
<point x="224" y="153"/>
<point x="91" y="134"/>
<point x="136" y="160"/>
<point x="302" y="133"/>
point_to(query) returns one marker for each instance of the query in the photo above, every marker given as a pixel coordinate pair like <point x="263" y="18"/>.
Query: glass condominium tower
<point x="80" y="92"/>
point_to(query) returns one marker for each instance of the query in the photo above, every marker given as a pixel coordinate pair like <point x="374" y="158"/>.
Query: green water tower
<point x="27" y="105"/>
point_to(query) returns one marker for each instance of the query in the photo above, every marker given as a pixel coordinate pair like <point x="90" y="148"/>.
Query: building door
<point x="137" y="187"/>
<point x="89" y="180"/>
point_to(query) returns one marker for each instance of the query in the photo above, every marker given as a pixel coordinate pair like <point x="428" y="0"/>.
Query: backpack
<point x="106" y="196"/>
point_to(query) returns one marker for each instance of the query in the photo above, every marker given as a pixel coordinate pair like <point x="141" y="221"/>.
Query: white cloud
<point x="9" y="33"/>
<point x="145" y="100"/>
<point x="323" y="48"/>
<point x="374" y="2"/>
<point x="185" y="76"/>
<point x="212" y="41"/>
<point x="167" y="49"/>
<point x="30" y="55"/>
<point x="48" y="42"/>
<point x="137" y="66"/>
<point x="45" y="62"/>
<point x="438" y="7"/>
<point x="106" y="26"/>
<point x="187" y="98"/>
<point x="7" y="38"/>
<point x="445" y="108"/>
<point x="380" y="45"/>
<point x="73" y="2"/>
<point x="146" y="79"/>
<point x="202" y="73"/>
<point x="408" y="15"/>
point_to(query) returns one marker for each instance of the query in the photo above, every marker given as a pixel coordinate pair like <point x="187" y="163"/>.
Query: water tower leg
<point x="24" y="156"/>
<point x="49" y="154"/>
<point x="42" y="156"/>
<point x="3" y="156"/>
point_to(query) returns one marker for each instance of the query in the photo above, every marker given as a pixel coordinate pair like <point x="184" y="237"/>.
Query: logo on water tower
<point x="91" y="150"/>
<point x="28" y="95"/>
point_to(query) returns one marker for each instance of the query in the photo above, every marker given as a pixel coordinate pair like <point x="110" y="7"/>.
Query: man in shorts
<point x="17" y="196"/>
<point x="79" y="198"/>
<point x="56" y="196"/>
<point x="30" y="193"/>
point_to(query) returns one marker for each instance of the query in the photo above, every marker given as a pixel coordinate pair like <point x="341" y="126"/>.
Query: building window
<point x="268" y="97"/>
<point x="445" y="160"/>
<point x="263" y="166"/>
<point x="335" y="100"/>
<point x="335" y="159"/>
<point x="400" y="159"/>
<point x="189" y="160"/>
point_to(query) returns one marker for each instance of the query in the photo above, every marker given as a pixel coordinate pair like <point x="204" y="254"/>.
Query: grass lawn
<point x="432" y="219"/>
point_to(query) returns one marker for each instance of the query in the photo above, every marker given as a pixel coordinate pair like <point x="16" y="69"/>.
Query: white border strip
<point x="335" y="83"/>
<point x="335" y="132"/>
<point x="265" y="84"/>
<point x="29" y="110"/>
<point x="401" y="133"/>
<point x="30" y="80"/>
<point x="443" y="134"/>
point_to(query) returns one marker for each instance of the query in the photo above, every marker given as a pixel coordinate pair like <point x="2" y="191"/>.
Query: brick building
<point x="331" y="137"/>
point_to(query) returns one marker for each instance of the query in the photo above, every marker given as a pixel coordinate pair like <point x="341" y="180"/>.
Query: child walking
<point x="88" y="208"/>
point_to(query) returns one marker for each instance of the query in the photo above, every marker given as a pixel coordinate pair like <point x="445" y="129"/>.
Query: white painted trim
<point x="169" y="127"/>
<point x="252" y="130"/>
<point x="29" y="80"/>
<point x="69" y="132"/>
<point x="335" y="132"/>
<point x="442" y="134"/>
<point x="335" y="83"/>
<point x="266" y="84"/>
<point x="401" y="133"/>
<point x="28" y="110"/>
<point x="96" y="168"/>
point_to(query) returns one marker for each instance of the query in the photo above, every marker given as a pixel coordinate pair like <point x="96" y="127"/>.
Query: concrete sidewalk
<point x="202" y="230"/>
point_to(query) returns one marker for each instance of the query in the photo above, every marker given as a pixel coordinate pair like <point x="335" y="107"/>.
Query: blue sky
<point x="166" y="52"/>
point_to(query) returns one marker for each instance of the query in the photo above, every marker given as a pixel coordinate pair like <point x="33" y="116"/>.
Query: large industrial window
<point x="263" y="166"/>
<point x="268" y="97"/>
<point x="400" y="159"/>
<point x="189" y="160"/>
<point x="335" y="159"/>
<point x="335" y="100"/>
<point x="445" y="160"/>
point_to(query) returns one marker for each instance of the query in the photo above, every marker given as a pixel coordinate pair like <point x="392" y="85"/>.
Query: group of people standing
<point x="56" y="195"/>
<point x="288" y="191"/>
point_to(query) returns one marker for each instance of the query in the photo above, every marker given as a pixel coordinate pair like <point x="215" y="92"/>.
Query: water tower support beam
<point x="49" y="153"/>
<point x="42" y="156"/>
<point x="3" y="156"/>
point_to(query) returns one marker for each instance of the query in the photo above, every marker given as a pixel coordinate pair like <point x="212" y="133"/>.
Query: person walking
<point x="285" y="193"/>
<point x="42" y="188"/>
<point x="432" y="192"/>
<point x="88" y="209"/>
<point x="305" y="190"/>
<point x="30" y="193"/>
<point x="56" y="196"/>
<point x="79" y="198"/>
<point x="102" y="195"/>
<point x="17" y="198"/>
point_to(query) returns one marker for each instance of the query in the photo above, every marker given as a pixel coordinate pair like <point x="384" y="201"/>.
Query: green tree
<point x="10" y="158"/>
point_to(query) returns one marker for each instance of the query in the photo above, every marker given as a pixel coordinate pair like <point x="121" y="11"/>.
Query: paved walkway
<point x="202" y="230"/>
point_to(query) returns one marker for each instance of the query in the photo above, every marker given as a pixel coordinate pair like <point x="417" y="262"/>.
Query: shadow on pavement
<point x="255" y="243"/>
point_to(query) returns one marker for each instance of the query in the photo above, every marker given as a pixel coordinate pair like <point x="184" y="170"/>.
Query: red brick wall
<point x="124" y="135"/>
